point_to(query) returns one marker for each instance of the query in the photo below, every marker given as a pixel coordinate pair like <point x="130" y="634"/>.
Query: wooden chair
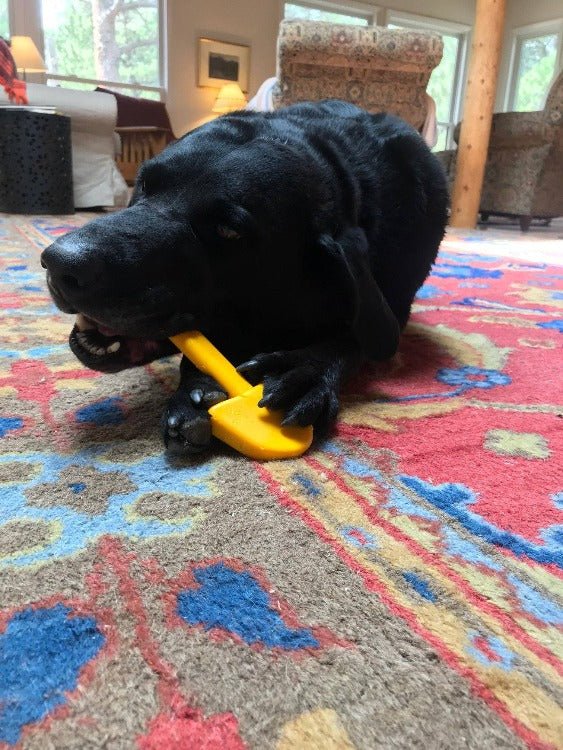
<point x="137" y="145"/>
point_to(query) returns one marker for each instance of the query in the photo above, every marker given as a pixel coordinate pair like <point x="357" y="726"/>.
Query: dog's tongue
<point x="101" y="348"/>
<point x="107" y="331"/>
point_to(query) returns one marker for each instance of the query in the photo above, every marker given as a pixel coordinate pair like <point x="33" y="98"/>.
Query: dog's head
<point x="229" y="222"/>
<point x="219" y="221"/>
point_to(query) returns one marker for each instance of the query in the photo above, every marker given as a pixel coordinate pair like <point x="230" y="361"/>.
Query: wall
<point x="524" y="12"/>
<point x="253" y="22"/>
<point x="25" y="20"/>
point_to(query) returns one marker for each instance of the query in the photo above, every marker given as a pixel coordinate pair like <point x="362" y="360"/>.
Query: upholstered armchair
<point x="524" y="170"/>
<point x="376" y="68"/>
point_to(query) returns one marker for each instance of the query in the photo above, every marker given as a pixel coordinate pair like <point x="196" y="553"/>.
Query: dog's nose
<point x="72" y="265"/>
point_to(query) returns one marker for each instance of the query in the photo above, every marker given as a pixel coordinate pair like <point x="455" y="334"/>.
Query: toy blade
<point x="256" y="431"/>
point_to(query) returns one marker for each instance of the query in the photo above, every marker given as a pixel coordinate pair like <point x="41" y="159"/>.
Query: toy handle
<point x="209" y="360"/>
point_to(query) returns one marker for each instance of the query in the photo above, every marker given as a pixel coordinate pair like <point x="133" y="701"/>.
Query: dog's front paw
<point x="303" y="385"/>
<point x="186" y="425"/>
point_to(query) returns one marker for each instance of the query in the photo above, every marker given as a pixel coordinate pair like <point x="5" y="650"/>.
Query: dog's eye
<point x="227" y="233"/>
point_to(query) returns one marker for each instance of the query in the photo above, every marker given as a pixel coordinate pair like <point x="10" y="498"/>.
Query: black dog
<point x="303" y="233"/>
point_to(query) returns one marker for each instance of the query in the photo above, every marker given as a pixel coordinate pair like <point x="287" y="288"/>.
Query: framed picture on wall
<point x="222" y="62"/>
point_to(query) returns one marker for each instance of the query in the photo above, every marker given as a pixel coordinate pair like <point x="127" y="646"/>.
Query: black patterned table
<point x="35" y="163"/>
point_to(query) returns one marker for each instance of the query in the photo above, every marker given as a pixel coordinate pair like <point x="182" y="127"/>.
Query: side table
<point x="35" y="162"/>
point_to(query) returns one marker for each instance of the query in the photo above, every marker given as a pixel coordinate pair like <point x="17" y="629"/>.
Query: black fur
<point x="296" y="240"/>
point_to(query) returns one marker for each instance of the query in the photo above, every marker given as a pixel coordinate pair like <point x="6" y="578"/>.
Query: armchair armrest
<point x="516" y="130"/>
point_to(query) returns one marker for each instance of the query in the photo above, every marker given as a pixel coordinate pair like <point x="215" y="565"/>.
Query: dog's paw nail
<point x="214" y="397"/>
<point x="266" y="401"/>
<point x="247" y="365"/>
<point x="196" y="395"/>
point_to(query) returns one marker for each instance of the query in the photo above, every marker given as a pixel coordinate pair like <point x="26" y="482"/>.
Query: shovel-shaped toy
<point x="252" y="430"/>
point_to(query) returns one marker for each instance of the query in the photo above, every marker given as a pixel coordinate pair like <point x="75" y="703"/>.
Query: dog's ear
<point x="372" y="322"/>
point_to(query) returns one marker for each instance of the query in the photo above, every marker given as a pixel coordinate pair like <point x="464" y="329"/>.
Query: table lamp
<point x="229" y="99"/>
<point x="26" y="55"/>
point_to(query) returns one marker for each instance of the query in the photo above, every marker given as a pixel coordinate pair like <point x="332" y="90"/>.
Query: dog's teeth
<point x="89" y="347"/>
<point x="112" y="348"/>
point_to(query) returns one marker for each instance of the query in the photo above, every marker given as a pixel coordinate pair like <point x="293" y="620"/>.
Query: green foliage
<point x="536" y="69"/>
<point x="4" y="19"/>
<point x="136" y="32"/>
<point x="442" y="81"/>
<point x="69" y="41"/>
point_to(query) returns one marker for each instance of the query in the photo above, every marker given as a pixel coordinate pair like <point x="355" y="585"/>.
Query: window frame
<point x="451" y="28"/>
<point x="366" y="10"/>
<point x="519" y="35"/>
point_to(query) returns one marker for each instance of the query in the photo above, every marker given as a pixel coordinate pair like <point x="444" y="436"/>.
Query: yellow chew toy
<point x="250" y="429"/>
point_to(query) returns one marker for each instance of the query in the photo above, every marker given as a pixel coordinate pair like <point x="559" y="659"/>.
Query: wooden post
<point x="477" y="112"/>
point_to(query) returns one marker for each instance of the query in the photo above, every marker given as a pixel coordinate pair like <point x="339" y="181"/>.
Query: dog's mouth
<point x="102" y="348"/>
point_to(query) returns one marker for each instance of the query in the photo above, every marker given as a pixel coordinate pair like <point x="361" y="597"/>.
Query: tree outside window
<point x="103" y="40"/>
<point x="536" y="67"/>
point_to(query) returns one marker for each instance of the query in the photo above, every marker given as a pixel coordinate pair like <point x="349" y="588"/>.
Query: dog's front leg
<point x="186" y="426"/>
<point x="305" y="383"/>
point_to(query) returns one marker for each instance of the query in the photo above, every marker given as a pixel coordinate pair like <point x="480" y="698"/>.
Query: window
<point x="356" y="14"/>
<point x="117" y="43"/>
<point x="4" y="19"/>
<point x="536" y="53"/>
<point x="446" y="82"/>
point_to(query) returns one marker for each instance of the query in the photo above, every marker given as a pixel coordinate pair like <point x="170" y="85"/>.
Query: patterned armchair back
<point x="376" y="68"/>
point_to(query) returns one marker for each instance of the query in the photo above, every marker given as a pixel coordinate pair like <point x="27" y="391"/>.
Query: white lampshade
<point x="26" y="55"/>
<point x="229" y="99"/>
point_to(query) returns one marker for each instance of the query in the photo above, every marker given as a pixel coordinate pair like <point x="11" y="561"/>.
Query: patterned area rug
<point x="399" y="586"/>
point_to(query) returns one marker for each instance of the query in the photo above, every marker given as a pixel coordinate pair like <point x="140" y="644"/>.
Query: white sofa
<point x="93" y="116"/>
